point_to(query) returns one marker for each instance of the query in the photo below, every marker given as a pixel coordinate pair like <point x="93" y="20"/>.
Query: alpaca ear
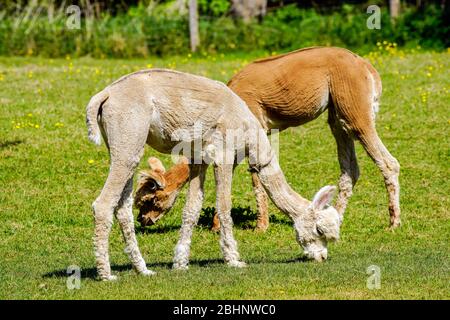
<point x="323" y="197"/>
<point x="151" y="180"/>
<point x="142" y="177"/>
<point x="156" y="164"/>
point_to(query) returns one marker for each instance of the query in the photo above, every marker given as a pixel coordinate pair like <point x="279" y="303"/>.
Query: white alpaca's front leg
<point x="191" y="213"/>
<point x="223" y="175"/>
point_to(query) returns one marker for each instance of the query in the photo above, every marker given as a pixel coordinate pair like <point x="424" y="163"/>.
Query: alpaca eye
<point x="319" y="231"/>
<point x="152" y="185"/>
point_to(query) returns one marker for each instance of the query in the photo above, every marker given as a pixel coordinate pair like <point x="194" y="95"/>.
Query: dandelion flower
<point x="90" y="161"/>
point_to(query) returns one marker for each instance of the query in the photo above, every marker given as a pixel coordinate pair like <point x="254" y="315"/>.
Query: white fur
<point x="129" y="120"/>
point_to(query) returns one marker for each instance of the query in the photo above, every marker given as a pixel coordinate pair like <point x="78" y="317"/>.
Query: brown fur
<point x="294" y="88"/>
<point x="153" y="202"/>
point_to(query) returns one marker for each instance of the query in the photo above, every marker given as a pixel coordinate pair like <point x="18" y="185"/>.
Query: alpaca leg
<point x="223" y="175"/>
<point x="262" y="222"/>
<point x="124" y="215"/>
<point x="390" y="169"/>
<point x="215" y="223"/>
<point x="347" y="162"/>
<point x="191" y="213"/>
<point x="104" y="207"/>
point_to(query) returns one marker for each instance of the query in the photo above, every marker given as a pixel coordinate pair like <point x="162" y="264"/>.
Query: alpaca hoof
<point x="147" y="273"/>
<point x="237" y="264"/>
<point x="179" y="266"/>
<point x="395" y="224"/>
<point x="260" y="227"/>
<point x="109" y="278"/>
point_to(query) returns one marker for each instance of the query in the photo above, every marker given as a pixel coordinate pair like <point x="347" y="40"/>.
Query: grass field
<point x="50" y="174"/>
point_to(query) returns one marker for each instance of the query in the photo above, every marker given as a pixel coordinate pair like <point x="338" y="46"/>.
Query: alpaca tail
<point x="93" y="110"/>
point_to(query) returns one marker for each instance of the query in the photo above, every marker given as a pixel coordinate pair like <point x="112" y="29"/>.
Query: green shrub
<point x="141" y="32"/>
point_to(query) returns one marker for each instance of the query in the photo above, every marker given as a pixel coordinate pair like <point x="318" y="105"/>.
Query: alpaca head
<point x="320" y="225"/>
<point x="157" y="189"/>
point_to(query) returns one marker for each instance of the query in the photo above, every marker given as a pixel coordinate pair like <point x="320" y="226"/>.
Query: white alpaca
<point x="153" y="107"/>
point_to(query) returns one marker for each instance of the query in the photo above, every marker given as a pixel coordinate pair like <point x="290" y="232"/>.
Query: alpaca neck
<point x="279" y="191"/>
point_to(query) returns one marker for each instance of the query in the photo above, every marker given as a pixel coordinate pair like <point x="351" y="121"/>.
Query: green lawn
<point x="50" y="174"/>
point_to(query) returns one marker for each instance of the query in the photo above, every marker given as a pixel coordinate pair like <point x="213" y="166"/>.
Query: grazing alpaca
<point x="294" y="88"/>
<point x="157" y="189"/>
<point x="164" y="109"/>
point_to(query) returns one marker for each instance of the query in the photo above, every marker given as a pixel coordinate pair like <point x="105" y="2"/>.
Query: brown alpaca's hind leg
<point x="262" y="222"/>
<point x="215" y="223"/>
<point x="347" y="161"/>
<point x="360" y="122"/>
<point x="355" y="102"/>
<point x="390" y="169"/>
<point x="262" y="203"/>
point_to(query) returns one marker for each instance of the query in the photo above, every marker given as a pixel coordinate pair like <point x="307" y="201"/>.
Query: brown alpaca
<point x="157" y="189"/>
<point x="294" y="88"/>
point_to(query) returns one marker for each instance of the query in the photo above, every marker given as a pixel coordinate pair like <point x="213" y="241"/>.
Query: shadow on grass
<point x="10" y="143"/>
<point x="243" y="218"/>
<point x="159" y="228"/>
<point x="91" y="273"/>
